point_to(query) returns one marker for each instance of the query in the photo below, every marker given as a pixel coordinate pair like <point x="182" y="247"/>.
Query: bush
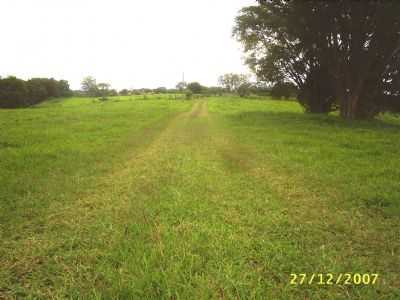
<point x="36" y="90"/>
<point x="16" y="92"/>
<point x="13" y="93"/>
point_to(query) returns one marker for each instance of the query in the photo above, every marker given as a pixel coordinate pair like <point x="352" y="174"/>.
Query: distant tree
<point x="112" y="92"/>
<point x="244" y="89"/>
<point x="195" y="87"/>
<point x="78" y="93"/>
<point x="145" y="91"/>
<point x="261" y="88"/>
<point x="124" y="92"/>
<point x="64" y="89"/>
<point x="52" y="87"/>
<point x="173" y="91"/>
<point x="181" y="86"/>
<point x="89" y="86"/>
<point x="160" y="90"/>
<point x="214" y="91"/>
<point x="284" y="90"/>
<point x="104" y="90"/>
<point x="136" y="92"/>
<point x="231" y="81"/>
<point x="13" y="93"/>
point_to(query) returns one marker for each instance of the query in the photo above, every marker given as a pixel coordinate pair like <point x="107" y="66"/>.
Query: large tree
<point x="343" y="52"/>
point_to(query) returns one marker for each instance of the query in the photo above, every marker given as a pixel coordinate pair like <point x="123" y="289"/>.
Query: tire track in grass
<point x="329" y="239"/>
<point x="77" y="232"/>
<point x="172" y="191"/>
<point x="67" y="235"/>
<point x="202" y="231"/>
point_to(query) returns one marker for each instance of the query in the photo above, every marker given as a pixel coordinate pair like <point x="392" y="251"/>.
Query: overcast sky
<point x="128" y="43"/>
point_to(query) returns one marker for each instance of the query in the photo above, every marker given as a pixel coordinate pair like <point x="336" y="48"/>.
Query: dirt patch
<point x="196" y="110"/>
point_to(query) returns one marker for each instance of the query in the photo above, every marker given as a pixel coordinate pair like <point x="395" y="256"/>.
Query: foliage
<point x="103" y="90"/>
<point x="89" y="86"/>
<point x="160" y="90"/>
<point x="16" y="92"/>
<point x="63" y="88"/>
<point x="37" y="90"/>
<point x="13" y="93"/>
<point x="195" y="87"/>
<point x="231" y="82"/>
<point x="244" y="89"/>
<point x="284" y="90"/>
<point x="124" y="92"/>
<point x="338" y="53"/>
<point x="213" y="91"/>
<point x="181" y="86"/>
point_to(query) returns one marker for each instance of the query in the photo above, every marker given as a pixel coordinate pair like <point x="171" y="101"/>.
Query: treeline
<point x="342" y="54"/>
<point x="276" y="91"/>
<point x="194" y="88"/>
<point x="229" y="84"/>
<point x="15" y="92"/>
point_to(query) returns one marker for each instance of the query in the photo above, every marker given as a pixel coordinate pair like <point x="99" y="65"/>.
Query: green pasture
<point x="214" y="198"/>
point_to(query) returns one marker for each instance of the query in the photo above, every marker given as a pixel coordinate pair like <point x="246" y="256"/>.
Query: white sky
<point x="128" y="43"/>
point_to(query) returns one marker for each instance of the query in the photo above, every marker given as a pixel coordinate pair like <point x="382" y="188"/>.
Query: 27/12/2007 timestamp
<point x="334" y="279"/>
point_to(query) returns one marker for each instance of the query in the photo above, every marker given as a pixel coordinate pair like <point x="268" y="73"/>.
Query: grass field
<point x="219" y="198"/>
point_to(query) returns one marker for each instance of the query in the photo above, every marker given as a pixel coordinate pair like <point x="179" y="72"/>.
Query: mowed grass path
<point x="208" y="199"/>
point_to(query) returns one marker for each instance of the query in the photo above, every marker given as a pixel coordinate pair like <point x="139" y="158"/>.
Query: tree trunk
<point x="350" y="101"/>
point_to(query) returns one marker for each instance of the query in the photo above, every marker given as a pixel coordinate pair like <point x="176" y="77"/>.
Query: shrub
<point x="16" y="92"/>
<point x="13" y="93"/>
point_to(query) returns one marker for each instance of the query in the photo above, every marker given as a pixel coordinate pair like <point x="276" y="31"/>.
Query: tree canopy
<point x="195" y="87"/>
<point x="343" y="53"/>
<point x="231" y="82"/>
<point x="89" y="86"/>
<point x="181" y="85"/>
